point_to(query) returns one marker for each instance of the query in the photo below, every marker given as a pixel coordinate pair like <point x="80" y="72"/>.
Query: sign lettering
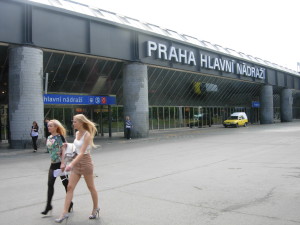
<point x="79" y="99"/>
<point x="183" y="56"/>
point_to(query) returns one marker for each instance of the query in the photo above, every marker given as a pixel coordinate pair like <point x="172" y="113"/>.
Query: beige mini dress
<point x="85" y="165"/>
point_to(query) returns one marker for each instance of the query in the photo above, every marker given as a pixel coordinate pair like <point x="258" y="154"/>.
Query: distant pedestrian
<point x="34" y="133"/>
<point x="54" y="145"/>
<point x="128" y="126"/>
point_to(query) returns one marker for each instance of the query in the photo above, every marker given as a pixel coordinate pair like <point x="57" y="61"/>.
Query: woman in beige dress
<point x="82" y="164"/>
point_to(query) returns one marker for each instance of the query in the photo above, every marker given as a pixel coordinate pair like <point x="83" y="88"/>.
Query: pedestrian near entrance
<point x="34" y="133"/>
<point x="82" y="164"/>
<point x="128" y="126"/>
<point x="54" y="146"/>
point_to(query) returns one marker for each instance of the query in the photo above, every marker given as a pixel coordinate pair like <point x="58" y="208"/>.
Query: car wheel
<point x="225" y="126"/>
<point x="237" y="125"/>
<point x="245" y="124"/>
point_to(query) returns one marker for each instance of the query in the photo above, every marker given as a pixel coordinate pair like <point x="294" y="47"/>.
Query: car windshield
<point x="198" y="116"/>
<point x="233" y="117"/>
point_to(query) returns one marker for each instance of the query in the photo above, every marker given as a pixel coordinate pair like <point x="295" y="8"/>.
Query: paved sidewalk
<point x="207" y="176"/>
<point x="118" y="138"/>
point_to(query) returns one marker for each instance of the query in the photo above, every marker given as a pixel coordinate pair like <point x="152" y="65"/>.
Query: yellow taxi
<point x="236" y="119"/>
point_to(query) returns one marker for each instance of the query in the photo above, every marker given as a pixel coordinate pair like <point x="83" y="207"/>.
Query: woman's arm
<point x="62" y="163"/>
<point x="86" y="142"/>
<point x="62" y="152"/>
<point x="36" y="129"/>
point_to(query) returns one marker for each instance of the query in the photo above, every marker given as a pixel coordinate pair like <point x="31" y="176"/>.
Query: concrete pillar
<point x="25" y="94"/>
<point x="180" y="116"/>
<point x="266" y="105"/>
<point x="286" y="105"/>
<point x="135" y="97"/>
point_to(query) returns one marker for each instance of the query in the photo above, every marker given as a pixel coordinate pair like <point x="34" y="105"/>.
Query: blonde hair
<point x="87" y="125"/>
<point x="60" y="128"/>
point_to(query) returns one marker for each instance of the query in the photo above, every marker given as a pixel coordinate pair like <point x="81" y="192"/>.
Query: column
<point x="25" y="94"/>
<point x="180" y="116"/>
<point x="286" y="105"/>
<point x="266" y="104"/>
<point x="135" y="98"/>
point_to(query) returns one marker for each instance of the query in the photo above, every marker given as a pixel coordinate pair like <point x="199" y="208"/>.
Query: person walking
<point x="82" y="164"/>
<point x="128" y="126"/>
<point x="34" y="133"/>
<point x="54" y="146"/>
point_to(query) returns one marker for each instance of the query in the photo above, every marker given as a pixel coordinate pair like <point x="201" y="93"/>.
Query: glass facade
<point x="80" y="74"/>
<point x="3" y="74"/>
<point x="173" y="88"/>
<point x="160" y="117"/>
<point x="176" y="98"/>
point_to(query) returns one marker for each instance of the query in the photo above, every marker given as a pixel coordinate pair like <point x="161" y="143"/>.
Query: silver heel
<point x="64" y="217"/>
<point x="94" y="214"/>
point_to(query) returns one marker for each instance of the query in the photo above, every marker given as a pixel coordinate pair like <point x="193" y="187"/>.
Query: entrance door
<point x="98" y="114"/>
<point x="103" y="120"/>
<point x="64" y="115"/>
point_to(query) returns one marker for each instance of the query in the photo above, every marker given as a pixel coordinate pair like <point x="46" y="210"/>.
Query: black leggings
<point x="51" y="181"/>
<point x="34" y="139"/>
<point x="128" y="130"/>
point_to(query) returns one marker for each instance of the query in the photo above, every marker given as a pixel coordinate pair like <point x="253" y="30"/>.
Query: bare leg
<point x="73" y="180"/>
<point x="89" y="179"/>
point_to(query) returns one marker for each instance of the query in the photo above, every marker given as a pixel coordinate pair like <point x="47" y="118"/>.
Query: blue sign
<point x="79" y="99"/>
<point x="255" y="104"/>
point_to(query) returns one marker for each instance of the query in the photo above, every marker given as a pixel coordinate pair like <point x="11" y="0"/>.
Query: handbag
<point x="70" y="153"/>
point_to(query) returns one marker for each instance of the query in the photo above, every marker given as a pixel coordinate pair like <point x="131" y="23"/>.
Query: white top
<point x="78" y="144"/>
<point x="34" y="132"/>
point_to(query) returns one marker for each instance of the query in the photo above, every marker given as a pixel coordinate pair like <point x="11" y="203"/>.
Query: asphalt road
<point x="206" y="176"/>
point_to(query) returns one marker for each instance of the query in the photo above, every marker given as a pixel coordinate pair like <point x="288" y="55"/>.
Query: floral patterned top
<point x="54" y="144"/>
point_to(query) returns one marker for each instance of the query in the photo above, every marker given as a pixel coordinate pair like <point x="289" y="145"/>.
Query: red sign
<point x="103" y="100"/>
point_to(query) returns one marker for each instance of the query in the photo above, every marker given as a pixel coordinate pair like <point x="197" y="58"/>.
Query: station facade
<point x="160" y="78"/>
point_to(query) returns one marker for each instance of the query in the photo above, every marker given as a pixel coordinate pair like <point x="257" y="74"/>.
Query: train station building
<point x="59" y="58"/>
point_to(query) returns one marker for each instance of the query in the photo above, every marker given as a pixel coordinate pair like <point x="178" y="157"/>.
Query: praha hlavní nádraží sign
<point x="163" y="52"/>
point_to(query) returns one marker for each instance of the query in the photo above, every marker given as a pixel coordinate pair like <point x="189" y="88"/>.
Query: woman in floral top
<point x="54" y="146"/>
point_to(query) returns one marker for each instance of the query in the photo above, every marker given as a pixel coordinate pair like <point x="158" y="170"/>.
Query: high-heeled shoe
<point x="70" y="207"/>
<point x="64" y="216"/>
<point x="94" y="214"/>
<point x="48" y="208"/>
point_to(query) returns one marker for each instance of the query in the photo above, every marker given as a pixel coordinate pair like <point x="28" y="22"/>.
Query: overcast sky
<point x="268" y="29"/>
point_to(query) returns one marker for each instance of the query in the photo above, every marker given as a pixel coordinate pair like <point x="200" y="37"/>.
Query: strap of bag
<point x="63" y="139"/>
